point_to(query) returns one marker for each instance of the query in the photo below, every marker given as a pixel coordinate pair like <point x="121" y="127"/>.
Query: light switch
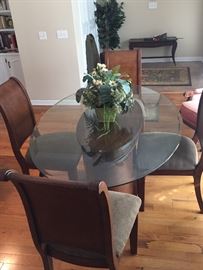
<point x="62" y="34"/>
<point x="42" y="35"/>
<point x="152" y="4"/>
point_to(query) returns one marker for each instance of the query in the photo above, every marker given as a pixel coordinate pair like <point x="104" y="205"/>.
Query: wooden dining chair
<point x="77" y="222"/>
<point x="185" y="160"/>
<point x="92" y="54"/>
<point x="17" y="112"/>
<point x="129" y="62"/>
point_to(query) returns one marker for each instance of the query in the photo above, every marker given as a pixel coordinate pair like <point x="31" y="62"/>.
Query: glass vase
<point x="106" y="116"/>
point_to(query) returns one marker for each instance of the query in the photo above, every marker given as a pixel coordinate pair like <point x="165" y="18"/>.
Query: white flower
<point x="112" y="83"/>
<point x="104" y="69"/>
<point x="97" y="82"/>
<point x="94" y="73"/>
<point x="101" y="65"/>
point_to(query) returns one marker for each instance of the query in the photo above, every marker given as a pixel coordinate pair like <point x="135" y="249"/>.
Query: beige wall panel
<point x="50" y="66"/>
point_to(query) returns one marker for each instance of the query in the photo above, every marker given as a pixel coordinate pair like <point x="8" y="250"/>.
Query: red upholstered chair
<point x="189" y="107"/>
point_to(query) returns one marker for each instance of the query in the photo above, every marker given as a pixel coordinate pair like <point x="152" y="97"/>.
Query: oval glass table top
<point x="68" y="143"/>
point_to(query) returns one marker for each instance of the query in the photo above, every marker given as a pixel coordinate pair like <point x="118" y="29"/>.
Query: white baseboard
<point x="178" y="59"/>
<point x="43" y="102"/>
<point x="46" y="102"/>
<point x="190" y="59"/>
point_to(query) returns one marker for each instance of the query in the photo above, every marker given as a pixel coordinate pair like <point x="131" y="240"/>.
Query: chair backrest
<point x="67" y="219"/>
<point x="16" y="109"/>
<point x="199" y="126"/>
<point x="92" y="55"/>
<point x="129" y="62"/>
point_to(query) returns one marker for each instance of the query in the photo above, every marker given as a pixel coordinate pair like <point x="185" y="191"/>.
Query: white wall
<point x="84" y="24"/>
<point x="180" y="18"/>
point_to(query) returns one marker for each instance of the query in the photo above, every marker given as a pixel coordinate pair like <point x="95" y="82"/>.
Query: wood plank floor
<point x="170" y="229"/>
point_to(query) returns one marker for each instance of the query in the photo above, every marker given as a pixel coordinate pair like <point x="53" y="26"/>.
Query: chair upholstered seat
<point x="148" y="144"/>
<point x="184" y="158"/>
<point x="124" y="208"/>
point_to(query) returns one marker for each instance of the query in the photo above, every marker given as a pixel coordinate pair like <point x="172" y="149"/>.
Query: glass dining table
<point x="68" y="143"/>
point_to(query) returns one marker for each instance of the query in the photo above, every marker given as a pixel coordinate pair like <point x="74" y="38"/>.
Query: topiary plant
<point x="109" y="19"/>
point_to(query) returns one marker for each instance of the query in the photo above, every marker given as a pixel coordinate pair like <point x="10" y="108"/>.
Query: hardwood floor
<point x="170" y="228"/>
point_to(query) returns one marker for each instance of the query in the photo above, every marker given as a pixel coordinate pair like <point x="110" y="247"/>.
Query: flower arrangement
<point x="107" y="90"/>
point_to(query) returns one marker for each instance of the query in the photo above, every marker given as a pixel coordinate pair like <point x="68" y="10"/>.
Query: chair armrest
<point x="190" y="93"/>
<point x="198" y="91"/>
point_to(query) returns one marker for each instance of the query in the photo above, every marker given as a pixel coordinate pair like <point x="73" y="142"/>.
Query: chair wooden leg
<point x="41" y="174"/>
<point x="25" y="170"/>
<point x="134" y="238"/>
<point x="73" y="173"/>
<point x="47" y="262"/>
<point x="197" y="184"/>
<point x="113" y="266"/>
<point x="195" y="138"/>
<point x="141" y="192"/>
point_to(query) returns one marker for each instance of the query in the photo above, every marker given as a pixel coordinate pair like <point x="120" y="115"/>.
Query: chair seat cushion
<point x="124" y="209"/>
<point x="184" y="158"/>
<point x="189" y="109"/>
<point x="154" y="149"/>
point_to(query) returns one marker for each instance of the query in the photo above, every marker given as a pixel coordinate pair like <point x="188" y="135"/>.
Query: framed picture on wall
<point x="3" y="5"/>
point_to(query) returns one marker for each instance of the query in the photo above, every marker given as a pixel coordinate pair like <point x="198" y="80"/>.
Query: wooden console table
<point x="151" y="43"/>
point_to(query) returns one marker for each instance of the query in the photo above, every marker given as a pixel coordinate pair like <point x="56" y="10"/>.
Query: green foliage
<point x="106" y="88"/>
<point x="109" y="19"/>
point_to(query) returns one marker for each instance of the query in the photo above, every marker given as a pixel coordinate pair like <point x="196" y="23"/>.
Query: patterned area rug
<point x="172" y="76"/>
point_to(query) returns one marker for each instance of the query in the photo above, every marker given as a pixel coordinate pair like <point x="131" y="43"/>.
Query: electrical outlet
<point x="152" y="4"/>
<point x="42" y="35"/>
<point x="62" y="34"/>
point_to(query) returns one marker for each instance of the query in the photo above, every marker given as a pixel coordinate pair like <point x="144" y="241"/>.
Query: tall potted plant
<point x="109" y="18"/>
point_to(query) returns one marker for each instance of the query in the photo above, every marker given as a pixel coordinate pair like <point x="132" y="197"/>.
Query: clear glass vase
<point x="106" y="116"/>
